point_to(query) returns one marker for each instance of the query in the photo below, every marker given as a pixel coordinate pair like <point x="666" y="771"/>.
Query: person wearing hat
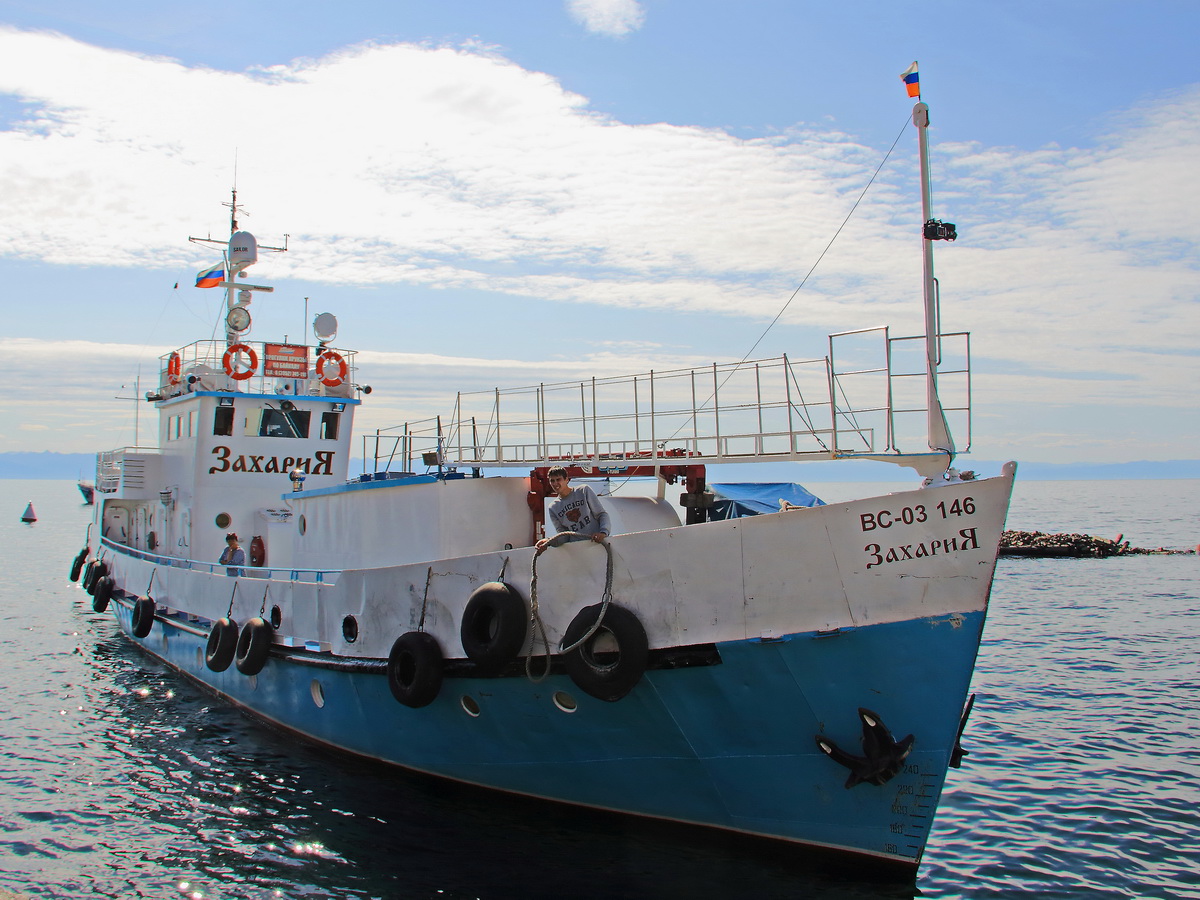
<point x="233" y="556"/>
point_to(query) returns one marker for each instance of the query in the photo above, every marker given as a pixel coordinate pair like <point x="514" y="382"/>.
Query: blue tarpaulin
<point x="733" y="501"/>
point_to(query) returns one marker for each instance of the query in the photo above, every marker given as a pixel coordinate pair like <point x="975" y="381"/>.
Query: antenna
<point x="136" y="398"/>
<point x="234" y="210"/>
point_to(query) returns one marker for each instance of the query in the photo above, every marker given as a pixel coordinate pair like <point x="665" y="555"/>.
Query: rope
<point x="829" y="245"/>
<point x="229" y="614"/>
<point x="813" y="268"/>
<point x="425" y="599"/>
<point x="535" y="616"/>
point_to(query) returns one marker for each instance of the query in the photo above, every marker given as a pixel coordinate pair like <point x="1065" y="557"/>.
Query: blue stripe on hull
<point x="731" y="745"/>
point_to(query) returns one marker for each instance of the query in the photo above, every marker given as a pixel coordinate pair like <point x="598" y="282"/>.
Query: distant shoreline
<point x="73" y="466"/>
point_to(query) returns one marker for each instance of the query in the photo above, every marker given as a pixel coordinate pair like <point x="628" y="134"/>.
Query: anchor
<point x="883" y="754"/>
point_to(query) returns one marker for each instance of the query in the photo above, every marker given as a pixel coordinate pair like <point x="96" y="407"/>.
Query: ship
<point x="740" y="658"/>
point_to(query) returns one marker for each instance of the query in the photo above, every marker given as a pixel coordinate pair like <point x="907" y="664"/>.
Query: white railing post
<point x="595" y="431"/>
<point x="499" y="442"/>
<point x="716" y="414"/>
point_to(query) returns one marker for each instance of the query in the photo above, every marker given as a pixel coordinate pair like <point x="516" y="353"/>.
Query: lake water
<point x="121" y="779"/>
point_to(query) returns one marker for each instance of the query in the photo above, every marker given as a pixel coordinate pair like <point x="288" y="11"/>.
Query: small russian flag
<point x="211" y="277"/>
<point x="911" y="80"/>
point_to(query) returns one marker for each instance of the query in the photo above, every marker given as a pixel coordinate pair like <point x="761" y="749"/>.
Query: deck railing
<point x="859" y="400"/>
<point x="203" y="362"/>
<point x="274" y="573"/>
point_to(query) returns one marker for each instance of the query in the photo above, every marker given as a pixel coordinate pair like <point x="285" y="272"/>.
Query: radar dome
<point x="243" y="251"/>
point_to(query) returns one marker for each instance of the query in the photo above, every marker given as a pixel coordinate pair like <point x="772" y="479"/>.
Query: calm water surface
<point x="121" y="779"/>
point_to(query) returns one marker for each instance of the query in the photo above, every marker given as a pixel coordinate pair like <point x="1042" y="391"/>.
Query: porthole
<point x="318" y="693"/>
<point x="565" y="702"/>
<point x="350" y="629"/>
<point x="470" y="707"/>
<point x="303" y="525"/>
<point x="223" y="520"/>
<point x="276" y="617"/>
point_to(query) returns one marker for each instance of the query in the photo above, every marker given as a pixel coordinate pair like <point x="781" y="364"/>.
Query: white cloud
<point x="613" y="18"/>
<point x="1075" y="269"/>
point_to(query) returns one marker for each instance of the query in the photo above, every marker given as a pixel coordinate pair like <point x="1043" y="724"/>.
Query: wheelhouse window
<point x="223" y="421"/>
<point x="329" y="425"/>
<point x="285" y="423"/>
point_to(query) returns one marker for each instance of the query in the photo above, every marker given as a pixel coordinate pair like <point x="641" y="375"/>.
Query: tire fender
<point x="612" y="661"/>
<point x="222" y="645"/>
<point x="253" y="646"/>
<point x="493" y="626"/>
<point x="143" y="616"/>
<point x="77" y="564"/>
<point x="104" y="591"/>
<point x="414" y="670"/>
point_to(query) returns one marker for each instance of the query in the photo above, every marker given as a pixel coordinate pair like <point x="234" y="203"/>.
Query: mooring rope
<point x="535" y="617"/>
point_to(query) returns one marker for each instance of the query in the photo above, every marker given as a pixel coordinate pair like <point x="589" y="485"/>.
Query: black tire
<point x="143" y="616"/>
<point x="98" y="570"/>
<point x="254" y="646"/>
<point x="87" y="574"/>
<point x="493" y="626"/>
<point x="222" y="645"/>
<point x="77" y="564"/>
<point x="414" y="670"/>
<point x="596" y="666"/>
<point x="104" y="591"/>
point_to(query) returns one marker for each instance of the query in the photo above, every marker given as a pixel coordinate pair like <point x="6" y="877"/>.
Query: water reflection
<point x="182" y="793"/>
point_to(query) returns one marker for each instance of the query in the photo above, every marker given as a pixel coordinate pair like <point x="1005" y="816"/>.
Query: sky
<point x="497" y="194"/>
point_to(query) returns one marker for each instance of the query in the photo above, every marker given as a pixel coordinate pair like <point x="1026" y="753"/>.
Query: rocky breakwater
<point x="1040" y="543"/>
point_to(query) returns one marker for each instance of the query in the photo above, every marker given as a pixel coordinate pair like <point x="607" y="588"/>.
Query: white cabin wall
<point x="221" y="478"/>
<point x="382" y="524"/>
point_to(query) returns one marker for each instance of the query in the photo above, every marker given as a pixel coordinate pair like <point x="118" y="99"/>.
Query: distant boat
<point x="88" y="490"/>
<point x="29" y="515"/>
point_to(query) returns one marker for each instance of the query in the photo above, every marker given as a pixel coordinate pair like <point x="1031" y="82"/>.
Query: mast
<point x="239" y="251"/>
<point x="232" y="337"/>
<point x="933" y="230"/>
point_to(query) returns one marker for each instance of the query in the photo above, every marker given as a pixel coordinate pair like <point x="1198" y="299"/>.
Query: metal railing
<point x="762" y="410"/>
<point x="204" y="362"/>
<point x="274" y="573"/>
<point x="121" y="465"/>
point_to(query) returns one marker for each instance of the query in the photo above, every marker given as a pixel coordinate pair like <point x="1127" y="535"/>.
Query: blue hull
<point x="731" y="745"/>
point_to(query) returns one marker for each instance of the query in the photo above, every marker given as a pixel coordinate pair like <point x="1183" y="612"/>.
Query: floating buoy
<point x="29" y="515"/>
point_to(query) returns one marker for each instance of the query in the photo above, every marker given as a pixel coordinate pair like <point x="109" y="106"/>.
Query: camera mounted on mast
<point x="937" y="230"/>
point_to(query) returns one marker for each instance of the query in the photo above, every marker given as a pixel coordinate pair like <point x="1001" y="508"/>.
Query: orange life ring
<point x="174" y="369"/>
<point x="330" y="357"/>
<point x="238" y="374"/>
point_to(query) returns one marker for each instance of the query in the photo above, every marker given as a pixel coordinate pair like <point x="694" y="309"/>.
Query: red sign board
<point x="285" y="361"/>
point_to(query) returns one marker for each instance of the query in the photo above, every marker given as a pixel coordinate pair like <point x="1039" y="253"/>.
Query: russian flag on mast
<point x="211" y="277"/>
<point x="911" y="80"/>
